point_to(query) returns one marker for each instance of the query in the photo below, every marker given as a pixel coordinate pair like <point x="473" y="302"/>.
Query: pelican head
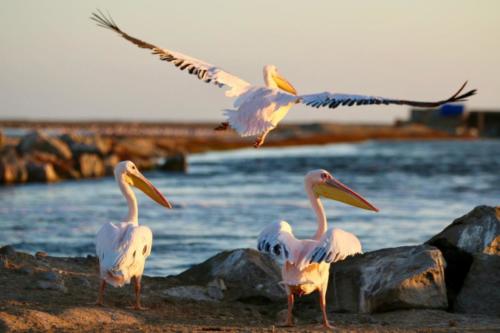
<point x="273" y="79"/>
<point x="325" y="185"/>
<point x="126" y="172"/>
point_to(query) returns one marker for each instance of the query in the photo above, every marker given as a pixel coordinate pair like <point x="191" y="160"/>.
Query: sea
<point x="226" y="198"/>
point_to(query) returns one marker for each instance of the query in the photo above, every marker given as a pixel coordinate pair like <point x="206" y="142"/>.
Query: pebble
<point x="49" y="276"/>
<point x="41" y="255"/>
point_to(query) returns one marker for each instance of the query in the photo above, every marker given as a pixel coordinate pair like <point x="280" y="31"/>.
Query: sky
<point x="55" y="63"/>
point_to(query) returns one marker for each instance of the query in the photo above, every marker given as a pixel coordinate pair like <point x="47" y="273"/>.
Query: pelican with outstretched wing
<point x="306" y="262"/>
<point x="259" y="109"/>
<point x="122" y="248"/>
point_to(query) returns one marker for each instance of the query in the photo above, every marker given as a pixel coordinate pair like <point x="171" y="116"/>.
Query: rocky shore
<point x="448" y="284"/>
<point x="49" y="152"/>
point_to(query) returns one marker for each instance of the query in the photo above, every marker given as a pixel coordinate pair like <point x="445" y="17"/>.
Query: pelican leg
<point x="222" y="127"/>
<point x="322" y="304"/>
<point x="260" y="139"/>
<point x="289" y="317"/>
<point x="137" y="287"/>
<point x="100" y="297"/>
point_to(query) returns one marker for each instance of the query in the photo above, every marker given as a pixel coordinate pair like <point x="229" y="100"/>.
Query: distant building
<point x="486" y="123"/>
<point x="454" y="119"/>
<point x="448" y="118"/>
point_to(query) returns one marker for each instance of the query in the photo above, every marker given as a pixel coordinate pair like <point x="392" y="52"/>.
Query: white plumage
<point x="122" y="248"/>
<point x="306" y="262"/>
<point x="259" y="109"/>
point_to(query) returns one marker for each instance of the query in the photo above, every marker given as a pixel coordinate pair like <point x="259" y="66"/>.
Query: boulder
<point x="63" y="168"/>
<point x="109" y="164"/>
<point x="405" y="277"/>
<point x="176" y="163"/>
<point x="41" y="172"/>
<point x="474" y="233"/>
<point x="480" y="293"/>
<point x="241" y="274"/>
<point x="91" y="165"/>
<point x="38" y="141"/>
<point x="137" y="148"/>
<point x="12" y="166"/>
<point x="86" y="144"/>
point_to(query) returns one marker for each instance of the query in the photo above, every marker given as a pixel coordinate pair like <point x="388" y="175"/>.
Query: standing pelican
<point x="259" y="109"/>
<point x="122" y="248"/>
<point x="307" y="262"/>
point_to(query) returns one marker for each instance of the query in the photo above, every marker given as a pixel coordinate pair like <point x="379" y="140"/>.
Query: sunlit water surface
<point x="228" y="197"/>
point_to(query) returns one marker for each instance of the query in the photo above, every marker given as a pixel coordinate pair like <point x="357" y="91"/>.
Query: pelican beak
<point x="334" y="189"/>
<point x="141" y="182"/>
<point x="284" y="84"/>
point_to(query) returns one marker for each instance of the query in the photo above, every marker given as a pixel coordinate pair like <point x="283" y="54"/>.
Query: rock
<point x="190" y="293"/>
<point x="50" y="276"/>
<point x="41" y="172"/>
<point x="405" y="277"/>
<point x="41" y="255"/>
<point x="63" y="168"/>
<point x="12" y="166"/>
<point x="216" y="288"/>
<point x="91" y="165"/>
<point x="480" y="293"/>
<point x="91" y="144"/>
<point x="474" y="233"/>
<point x="136" y="148"/>
<point x="48" y="285"/>
<point x="8" y="251"/>
<point x="246" y="274"/>
<point x="109" y="164"/>
<point x="177" y="163"/>
<point x="38" y="141"/>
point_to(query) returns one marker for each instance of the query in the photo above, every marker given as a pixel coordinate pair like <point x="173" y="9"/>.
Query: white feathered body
<point x="258" y="110"/>
<point x="306" y="263"/>
<point x="122" y="250"/>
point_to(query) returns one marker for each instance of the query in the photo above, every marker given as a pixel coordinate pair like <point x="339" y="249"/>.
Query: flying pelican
<point x="122" y="248"/>
<point x="259" y="109"/>
<point x="306" y="265"/>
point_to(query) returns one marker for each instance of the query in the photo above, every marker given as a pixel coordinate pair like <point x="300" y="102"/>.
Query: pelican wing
<point x="204" y="71"/>
<point x="336" y="244"/>
<point x="278" y="241"/>
<point x="332" y="101"/>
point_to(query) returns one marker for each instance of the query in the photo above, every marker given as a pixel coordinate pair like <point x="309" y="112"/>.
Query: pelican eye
<point x="133" y="254"/>
<point x="144" y="250"/>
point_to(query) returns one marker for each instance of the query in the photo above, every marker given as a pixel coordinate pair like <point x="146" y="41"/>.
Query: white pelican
<point x="306" y="262"/>
<point x="259" y="109"/>
<point x="122" y="248"/>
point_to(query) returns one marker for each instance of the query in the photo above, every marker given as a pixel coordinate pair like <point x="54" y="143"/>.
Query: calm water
<point x="227" y="198"/>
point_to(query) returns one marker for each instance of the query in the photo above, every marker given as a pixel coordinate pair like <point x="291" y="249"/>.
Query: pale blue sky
<point x="57" y="64"/>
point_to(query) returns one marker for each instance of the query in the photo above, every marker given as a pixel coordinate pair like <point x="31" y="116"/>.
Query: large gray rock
<point x="480" y="292"/>
<point x="243" y="273"/>
<point x="406" y="277"/>
<point x="474" y="233"/>
<point x="38" y="141"/>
